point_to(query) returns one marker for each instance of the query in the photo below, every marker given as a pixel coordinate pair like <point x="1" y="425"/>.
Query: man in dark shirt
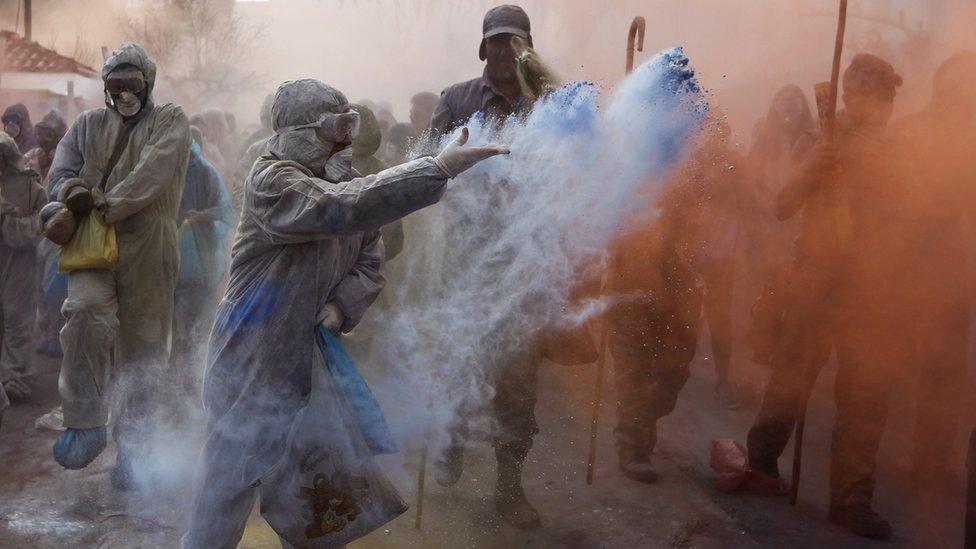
<point x="512" y="372"/>
<point x="843" y="294"/>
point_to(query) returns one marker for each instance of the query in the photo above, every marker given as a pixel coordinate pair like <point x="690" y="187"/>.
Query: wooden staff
<point x="421" y="478"/>
<point x="601" y="366"/>
<point x="830" y="123"/>
<point x="971" y="494"/>
<point x="635" y="37"/>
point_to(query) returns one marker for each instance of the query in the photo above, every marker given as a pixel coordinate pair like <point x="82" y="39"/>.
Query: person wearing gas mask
<point x="129" y="160"/>
<point x="21" y="199"/>
<point x="308" y="252"/>
<point x="17" y="124"/>
<point x="49" y="132"/>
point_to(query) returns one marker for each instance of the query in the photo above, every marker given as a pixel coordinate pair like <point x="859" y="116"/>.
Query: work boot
<point x="510" y="500"/>
<point x="861" y="520"/>
<point x="449" y="466"/>
<point x="636" y="464"/>
<point x="121" y="476"/>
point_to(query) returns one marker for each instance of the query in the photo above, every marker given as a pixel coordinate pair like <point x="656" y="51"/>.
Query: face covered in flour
<point x="126" y="90"/>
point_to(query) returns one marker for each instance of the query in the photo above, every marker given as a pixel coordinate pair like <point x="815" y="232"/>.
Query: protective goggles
<point x="333" y="127"/>
<point x="129" y="81"/>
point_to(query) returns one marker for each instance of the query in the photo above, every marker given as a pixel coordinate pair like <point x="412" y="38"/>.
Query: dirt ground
<point x="44" y="506"/>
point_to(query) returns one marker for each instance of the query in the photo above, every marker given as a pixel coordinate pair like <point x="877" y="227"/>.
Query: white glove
<point x="456" y="159"/>
<point x="330" y="316"/>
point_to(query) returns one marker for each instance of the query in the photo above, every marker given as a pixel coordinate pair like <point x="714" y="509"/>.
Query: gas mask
<point x="125" y="91"/>
<point x="324" y="146"/>
<point x="12" y="129"/>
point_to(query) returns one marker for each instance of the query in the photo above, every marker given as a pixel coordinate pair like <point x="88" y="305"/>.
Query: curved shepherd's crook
<point x="634" y="36"/>
<point x="636" y="33"/>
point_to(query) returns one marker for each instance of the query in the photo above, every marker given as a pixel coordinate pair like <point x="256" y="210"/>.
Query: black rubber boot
<point x="449" y="466"/>
<point x="510" y="500"/>
<point x="861" y="520"/>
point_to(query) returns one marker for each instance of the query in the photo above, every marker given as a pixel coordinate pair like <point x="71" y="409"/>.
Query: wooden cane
<point x="421" y="480"/>
<point x="970" y="542"/>
<point x="830" y="123"/>
<point x="601" y="365"/>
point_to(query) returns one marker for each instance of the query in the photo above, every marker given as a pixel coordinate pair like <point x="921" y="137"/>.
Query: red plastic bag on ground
<point x="730" y="460"/>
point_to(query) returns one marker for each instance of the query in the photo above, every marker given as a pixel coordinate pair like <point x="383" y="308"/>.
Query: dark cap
<point x="869" y="74"/>
<point x="505" y="19"/>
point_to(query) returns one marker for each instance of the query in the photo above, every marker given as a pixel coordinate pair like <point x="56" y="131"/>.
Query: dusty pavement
<point x="42" y="505"/>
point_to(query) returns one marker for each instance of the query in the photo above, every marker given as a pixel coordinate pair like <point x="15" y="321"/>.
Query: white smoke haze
<point x="500" y="257"/>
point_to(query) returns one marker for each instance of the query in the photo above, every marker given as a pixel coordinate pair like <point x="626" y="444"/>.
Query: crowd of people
<point x="116" y="256"/>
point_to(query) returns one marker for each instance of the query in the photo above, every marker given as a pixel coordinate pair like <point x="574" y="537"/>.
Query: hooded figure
<point x="48" y="133"/>
<point x="21" y="199"/>
<point x="308" y="252"/>
<point x="364" y="161"/>
<point x="206" y="220"/>
<point x="126" y="311"/>
<point x="17" y="124"/>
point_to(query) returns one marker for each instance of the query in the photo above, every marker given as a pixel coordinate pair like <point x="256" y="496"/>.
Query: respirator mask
<point x="125" y="91"/>
<point x="325" y="146"/>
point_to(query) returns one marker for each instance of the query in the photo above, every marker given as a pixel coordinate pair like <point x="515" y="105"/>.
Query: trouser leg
<point x="804" y="349"/>
<point x="632" y="357"/>
<point x="223" y="499"/>
<point x="942" y="359"/>
<point x="18" y="307"/>
<point x="88" y="339"/>
<point x="866" y="359"/>
<point x="718" y="314"/>
<point x="515" y="381"/>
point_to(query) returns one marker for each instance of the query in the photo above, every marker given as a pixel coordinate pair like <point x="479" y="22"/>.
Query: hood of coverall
<point x="133" y="54"/>
<point x="10" y="156"/>
<point x="18" y="113"/>
<point x="300" y="102"/>
<point x="51" y="128"/>
<point x="368" y="141"/>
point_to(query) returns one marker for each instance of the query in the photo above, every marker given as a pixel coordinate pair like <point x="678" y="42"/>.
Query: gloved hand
<point x="76" y="196"/>
<point x="331" y="317"/>
<point x="58" y="224"/>
<point x="76" y="448"/>
<point x="20" y="386"/>
<point x="456" y="159"/>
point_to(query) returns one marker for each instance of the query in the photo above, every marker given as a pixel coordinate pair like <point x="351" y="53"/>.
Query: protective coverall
<point x="205" y="220"/>
<point x="126" y="311"/>
<point x="303" y="242"/>
<point x="19" y="115"/>
<point x="21" y="198"/>
<point x="49" y="132"/>
<point x="364" y="161"/>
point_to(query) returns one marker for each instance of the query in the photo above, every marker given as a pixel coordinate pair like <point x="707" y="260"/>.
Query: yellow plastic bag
<point x="93" y="246"/>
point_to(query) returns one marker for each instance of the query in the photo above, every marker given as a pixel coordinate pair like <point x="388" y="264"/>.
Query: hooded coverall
<point x="21" y="199"/>
<point x="302" y="242"/>
<point x="116" y="337"/>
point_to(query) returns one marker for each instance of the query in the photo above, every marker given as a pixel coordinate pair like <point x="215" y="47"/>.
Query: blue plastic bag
<point x="77" y="448"/>
<point x="359" y="398"/>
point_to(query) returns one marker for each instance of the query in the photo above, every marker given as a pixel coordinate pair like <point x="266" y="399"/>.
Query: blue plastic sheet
<point x="191" y="264"/>
<point x="359" y="398"/>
